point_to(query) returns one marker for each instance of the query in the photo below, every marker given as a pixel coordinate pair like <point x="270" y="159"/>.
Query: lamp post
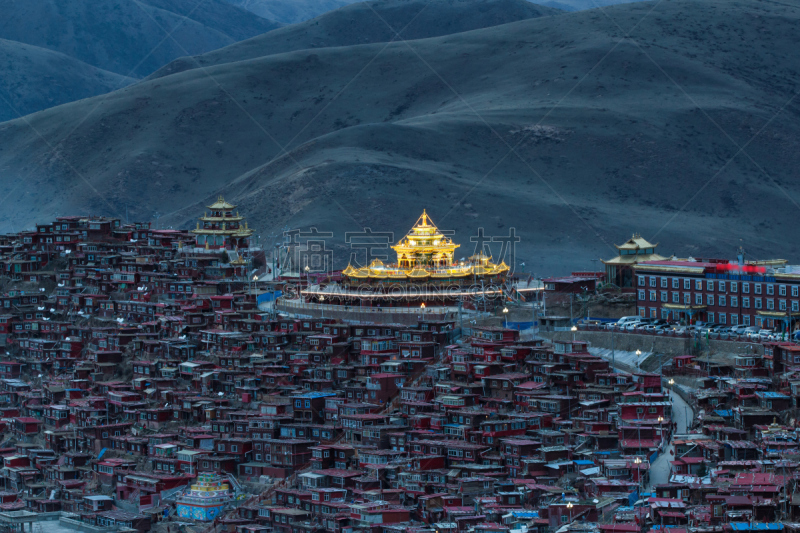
<point x="569" y="510"/>
<point x="671" y="384"/>
<point x="638" y="355"/>
<point x="422" y="309"/>
<point x="574" y="329"/>
<point x="638" y="461"/>
<point x="322" y="305"/>
<point x="505" y="316"/>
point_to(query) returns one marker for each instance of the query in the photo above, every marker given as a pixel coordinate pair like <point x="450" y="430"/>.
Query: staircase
<point x="258" y="498"/>
<point x="235" y="483"/>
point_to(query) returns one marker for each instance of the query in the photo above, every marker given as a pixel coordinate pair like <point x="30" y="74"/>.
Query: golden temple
<point x="426" y="254"/>
<point x="223" y="228"/>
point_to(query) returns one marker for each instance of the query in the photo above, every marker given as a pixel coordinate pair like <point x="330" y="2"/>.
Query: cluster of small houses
<point x="142" y="363"/>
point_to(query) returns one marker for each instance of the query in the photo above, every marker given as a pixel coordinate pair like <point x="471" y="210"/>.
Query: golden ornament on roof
<point x="425" y="253"/>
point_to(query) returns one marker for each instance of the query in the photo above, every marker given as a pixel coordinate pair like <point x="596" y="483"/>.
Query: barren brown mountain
<point x="377" y="21"/>
<point x="131" y="38"/>
<point x="676" y="119"/>
<point x="35" y="78"/>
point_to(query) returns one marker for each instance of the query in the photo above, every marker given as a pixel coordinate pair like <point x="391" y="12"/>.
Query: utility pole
<point x="460" y="317"/>
<point x="544" y="302"/>
<point x="613" y="353"/>
<point x="571" y="298"/>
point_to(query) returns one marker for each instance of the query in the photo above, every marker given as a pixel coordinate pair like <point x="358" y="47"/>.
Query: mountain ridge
<point x="58" y="79"/>
<point x="290" y="11"/>
<point x="604" y="142"/>
<point x="376" y="21"/>
<point x="128" y="37"/>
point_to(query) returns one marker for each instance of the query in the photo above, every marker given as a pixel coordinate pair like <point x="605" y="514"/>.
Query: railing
<point x="673" y="334"/>
<point x="669" y="370"/>
<point x="307" y="306"/>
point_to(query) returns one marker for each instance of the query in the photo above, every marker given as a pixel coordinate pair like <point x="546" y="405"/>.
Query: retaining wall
<point x="382" y="315"/>
<point x="84" y="527"/>
<point x="656" y="343"/>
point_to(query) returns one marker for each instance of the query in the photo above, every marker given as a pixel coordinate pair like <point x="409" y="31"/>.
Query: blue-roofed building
<point x="757" y="526"/>
<point x="775" y="401"/>
<point x="309" y="407"/>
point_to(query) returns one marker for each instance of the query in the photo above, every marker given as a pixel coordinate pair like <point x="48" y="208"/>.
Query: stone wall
<point x="77" y="525"/>
<point x="382" y="315"/>
<point x="656" y="343"/>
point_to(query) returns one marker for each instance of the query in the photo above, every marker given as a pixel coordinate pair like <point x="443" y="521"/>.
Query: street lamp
<point x="574" y="329"/>
<point x="321" y="300"/>
<point x="638" y="355"/>
<point x="505" y="316"/>
<point x="638" y="461"/>
<point x="671" y="382"/>
<point x="569" y="509"/>
<point x="422" y="309"/>
<point x="307" y="269"/>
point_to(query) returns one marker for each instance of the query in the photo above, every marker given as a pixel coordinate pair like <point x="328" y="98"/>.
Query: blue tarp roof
<point x="758" y="526"/>
<point x="724" y="412"/>
<point x="525" y="514"/>
<point x="314" y="395"/>
<point x="583" y="462"/>
<point x="770" y="394"/>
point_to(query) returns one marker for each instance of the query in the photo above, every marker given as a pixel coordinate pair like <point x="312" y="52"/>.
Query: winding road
<point x="682" y="413"/>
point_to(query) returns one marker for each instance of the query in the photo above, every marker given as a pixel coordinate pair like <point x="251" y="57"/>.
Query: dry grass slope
<point x="605" y="141"/>
<point x="126" y="36"/>
<point x="376" y="21"/>
<point x="290" y="11"/>
<point x="35" y="78"/>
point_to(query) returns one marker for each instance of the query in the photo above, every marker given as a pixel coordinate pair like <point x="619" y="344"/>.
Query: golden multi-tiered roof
<point x="222" y="228"/>
<point x="425" y="253"/>
<point x="424" y="245"/>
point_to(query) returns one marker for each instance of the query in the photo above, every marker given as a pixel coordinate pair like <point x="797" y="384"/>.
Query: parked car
<point x="655" y="323"/>
<point x="751" y="331"/>
<point x="765" y="334"/>
<point x="705" y="328"/>
<point x="738" y="330"/>
<point x="623" y="322"/>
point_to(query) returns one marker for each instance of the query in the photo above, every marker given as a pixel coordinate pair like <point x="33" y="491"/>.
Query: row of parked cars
<point x="660" y="325"/>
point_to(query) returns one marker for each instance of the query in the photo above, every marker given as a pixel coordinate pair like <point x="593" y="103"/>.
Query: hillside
<point x="128" y="37"/>
<point x="290" y="11"/>
<point x="605" y="142"/>
<point x="580" y="5"/>
<point x="377" y="21"/>
<point x="34" y="78"/>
